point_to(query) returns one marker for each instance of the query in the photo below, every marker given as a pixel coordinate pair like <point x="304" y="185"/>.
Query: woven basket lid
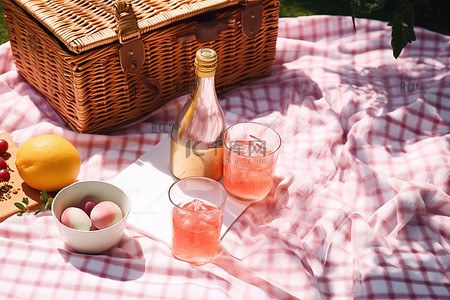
<point x="85" y="24"/>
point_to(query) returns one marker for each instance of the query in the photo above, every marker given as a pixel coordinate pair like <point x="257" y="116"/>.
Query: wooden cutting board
<point x="7" y="207"/>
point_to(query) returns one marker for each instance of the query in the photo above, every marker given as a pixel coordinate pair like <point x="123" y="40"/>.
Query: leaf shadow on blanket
<point x="353" y="186"/>
<point x="284" y="87"/>
<point x="404" y="240"/>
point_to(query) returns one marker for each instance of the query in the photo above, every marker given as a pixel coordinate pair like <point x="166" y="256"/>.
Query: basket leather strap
<point x="132" y="50"/>
<point x="251" y="21"/>
<point x="208" y="31"/>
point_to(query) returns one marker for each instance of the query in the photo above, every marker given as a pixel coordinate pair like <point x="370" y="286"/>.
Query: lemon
<point x="48" y="162"/>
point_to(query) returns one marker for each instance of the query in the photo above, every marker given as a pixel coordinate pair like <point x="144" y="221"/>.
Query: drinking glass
<point x="197" y="216"/>
<point x="250" y="154"/>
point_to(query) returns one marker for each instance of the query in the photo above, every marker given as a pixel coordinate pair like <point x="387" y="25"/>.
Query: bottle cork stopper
<point x="205" y="62"/>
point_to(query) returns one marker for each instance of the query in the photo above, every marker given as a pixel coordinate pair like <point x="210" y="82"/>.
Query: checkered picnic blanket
<point x="360" y="208"/>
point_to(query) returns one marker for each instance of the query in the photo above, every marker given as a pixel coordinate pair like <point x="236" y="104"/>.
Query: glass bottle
<point x="196" y="136"/>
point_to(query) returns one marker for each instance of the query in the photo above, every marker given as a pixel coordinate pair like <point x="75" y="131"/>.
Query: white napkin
<point x="146" y="183"/>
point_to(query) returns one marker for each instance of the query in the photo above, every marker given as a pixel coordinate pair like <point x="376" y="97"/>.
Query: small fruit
<point x="106" y="214"/>
<point x="87" y="204"/>
<point x="3" y="164"/>
<point x="48" y="162"/>
<point x="76" y="218"/>
<point x="3" y="146"/>
<point x="4" y="175"/>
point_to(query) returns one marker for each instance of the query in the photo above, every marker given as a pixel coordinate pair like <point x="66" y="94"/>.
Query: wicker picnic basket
<point x="107" y="63"/>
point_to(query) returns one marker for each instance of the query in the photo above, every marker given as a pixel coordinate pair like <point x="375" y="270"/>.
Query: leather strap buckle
<point x="251" y="19"/>
<point x="132" y="49"/>
<point x="132" y="56"/>
<point x="127" y="24"/>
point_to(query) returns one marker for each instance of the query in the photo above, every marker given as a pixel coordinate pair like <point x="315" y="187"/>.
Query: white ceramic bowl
<point x="96" y="241"/>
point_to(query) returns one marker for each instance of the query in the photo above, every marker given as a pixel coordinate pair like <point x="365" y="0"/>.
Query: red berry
<point x="3" y="164"/>
<point x="3" y="146"/>
<point x="4" y="175"/>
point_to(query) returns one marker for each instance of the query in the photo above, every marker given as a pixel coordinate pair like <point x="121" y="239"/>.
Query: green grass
<point x="435" y="17"/>
<point x="295" y="8"/>
<point x="3" y="31"/>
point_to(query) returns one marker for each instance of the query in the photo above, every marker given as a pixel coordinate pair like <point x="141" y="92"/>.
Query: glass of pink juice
<point x="197" y="215"/>
<point x="250" y="155"/>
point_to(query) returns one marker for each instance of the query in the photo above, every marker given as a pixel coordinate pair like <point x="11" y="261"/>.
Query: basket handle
<point x="132" y="51"/>
<point x="251" y="21"/>
<point x="207" y="31"/>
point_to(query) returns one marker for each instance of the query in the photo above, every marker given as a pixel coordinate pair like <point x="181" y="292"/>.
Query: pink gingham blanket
<point x="360" y="207"/>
